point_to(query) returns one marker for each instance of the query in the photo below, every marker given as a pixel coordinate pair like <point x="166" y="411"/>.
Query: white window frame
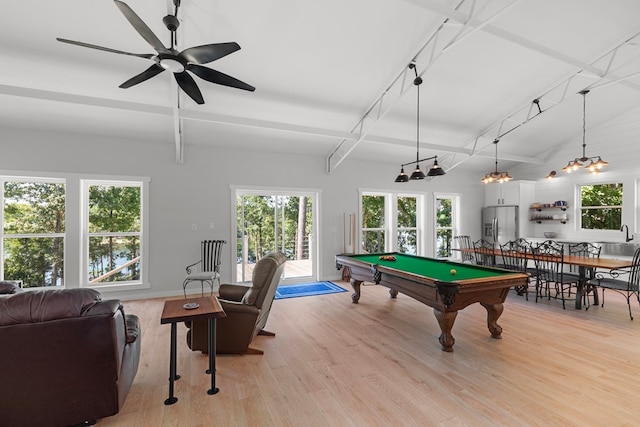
<point x="579" y="207"/>
<point x="44" y="180"/>
<point x="390" y="227"/>
<point x="86" y="235"/>
<point x="455" y="220"/>
<point x="74" y="266"/>
<point x="314" y="244"/>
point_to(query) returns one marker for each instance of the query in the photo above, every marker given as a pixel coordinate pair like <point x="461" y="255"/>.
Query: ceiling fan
<point x="168" y="58"/>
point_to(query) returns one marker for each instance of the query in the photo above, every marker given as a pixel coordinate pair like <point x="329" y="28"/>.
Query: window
<point x="276" y="220"/>
<point x="373" y="223"/>
<point x="33" y="231"/>
<point x="601" y="206"/>
<point x="407" y="224"/>
<point x="444" y="221"/>
<point x="446" y="224"/>
<point x="113" y="235"/>
<point x="391" y="222"/>
<point x="62" y="230"/>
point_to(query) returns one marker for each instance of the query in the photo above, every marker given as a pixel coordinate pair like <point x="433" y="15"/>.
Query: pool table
<point x="432" y="282"/>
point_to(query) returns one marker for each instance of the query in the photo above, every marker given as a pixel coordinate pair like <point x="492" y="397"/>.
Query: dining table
<point x="587" y="266"/>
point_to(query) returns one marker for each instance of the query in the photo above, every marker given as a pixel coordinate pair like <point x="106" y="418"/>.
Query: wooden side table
<point x="174" y="311"/>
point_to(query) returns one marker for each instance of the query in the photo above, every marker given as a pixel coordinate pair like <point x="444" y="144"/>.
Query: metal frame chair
<point x="627" y="287"/>
<point x="464" y="242"/>
<point x="587" y="250"/>
<point x="483" y="251"/>
<point x="513" y="254"/>
<point x="209" y="271"/>
<point x="549" y="260"/>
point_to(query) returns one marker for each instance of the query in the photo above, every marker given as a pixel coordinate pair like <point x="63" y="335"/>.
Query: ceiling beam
<point x="554" y="96"/>
<point x="178" y="115"/>
<point x="428" y="54"/>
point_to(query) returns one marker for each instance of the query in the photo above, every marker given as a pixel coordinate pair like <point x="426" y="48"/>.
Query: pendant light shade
<point x="403" y="177"/>
<point x="594" y="163"/>
<point x="418" y="174"/>
<point x="495" y="176"/>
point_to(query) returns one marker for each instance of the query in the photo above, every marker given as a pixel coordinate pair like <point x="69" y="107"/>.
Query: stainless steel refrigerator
<point x="500" y="224"/>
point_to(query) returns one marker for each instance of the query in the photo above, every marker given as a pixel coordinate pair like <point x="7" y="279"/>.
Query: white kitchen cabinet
<point x="518" y="193"/>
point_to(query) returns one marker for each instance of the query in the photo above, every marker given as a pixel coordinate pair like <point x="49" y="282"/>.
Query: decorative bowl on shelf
<point x="550" y="234"/>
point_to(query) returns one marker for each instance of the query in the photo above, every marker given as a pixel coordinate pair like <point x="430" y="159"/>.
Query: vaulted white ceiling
<point x="332" y="77"/>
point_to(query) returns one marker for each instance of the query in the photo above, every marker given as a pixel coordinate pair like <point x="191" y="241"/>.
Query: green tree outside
<point x="36" y="209"/>
<point x="601" y="206"/>
<point x="274" y="223"/>
<point x="114" y="210"/>
<point x="444" y="227"/>
<point x="373" y="223"/>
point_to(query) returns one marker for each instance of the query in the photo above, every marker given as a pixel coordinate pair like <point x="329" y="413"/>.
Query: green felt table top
<point x="437" y="269"/>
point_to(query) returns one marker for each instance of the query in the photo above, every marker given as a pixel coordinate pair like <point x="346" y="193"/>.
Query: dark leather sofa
<point x="66" y="356"/>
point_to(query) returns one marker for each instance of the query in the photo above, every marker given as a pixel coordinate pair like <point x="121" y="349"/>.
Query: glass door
<point x="272" y="221"/>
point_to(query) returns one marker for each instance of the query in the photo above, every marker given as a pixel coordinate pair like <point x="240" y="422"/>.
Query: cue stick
<point x="344" y="232"/>
<point x="353" y="233"/>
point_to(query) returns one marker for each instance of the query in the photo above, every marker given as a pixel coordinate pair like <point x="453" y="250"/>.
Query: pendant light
<point x="418" y="174"/>
<point x="595" y="162"/>
<point x="495" y="176"/>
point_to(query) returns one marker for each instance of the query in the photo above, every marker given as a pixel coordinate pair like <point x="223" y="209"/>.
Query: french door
<point x="270" y="220"/>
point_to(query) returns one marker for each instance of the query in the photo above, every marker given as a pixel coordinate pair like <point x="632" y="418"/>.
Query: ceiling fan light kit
<point x="418" y="174"/>
<point x="177" y="62"/>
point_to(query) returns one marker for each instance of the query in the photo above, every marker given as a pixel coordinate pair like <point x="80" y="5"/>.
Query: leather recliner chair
<point x="67" y="356"/>
<point x="247" y="310"/>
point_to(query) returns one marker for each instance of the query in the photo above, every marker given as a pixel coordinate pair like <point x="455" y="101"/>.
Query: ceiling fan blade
<point x="208" y="52"/>
<point x="154" y="70"/>
<point x="106" y="49"/>
<point x="142" y="28"/>
<point x="217" y="77"/>
<point x="189" y="86"/>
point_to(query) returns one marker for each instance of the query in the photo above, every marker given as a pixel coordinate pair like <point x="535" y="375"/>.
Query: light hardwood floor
<point x="378" y="363"/>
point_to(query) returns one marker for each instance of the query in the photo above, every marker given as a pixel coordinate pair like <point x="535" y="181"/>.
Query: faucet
<point x="628" y="239"/>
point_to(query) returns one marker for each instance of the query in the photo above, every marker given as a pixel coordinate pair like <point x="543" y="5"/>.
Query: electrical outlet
<point x="211" y="225"/>
<point x="194" y="227"/>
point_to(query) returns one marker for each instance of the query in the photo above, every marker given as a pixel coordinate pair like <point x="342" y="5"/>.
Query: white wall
<point x="198" y="191"/>
<point x="617" y="143"/>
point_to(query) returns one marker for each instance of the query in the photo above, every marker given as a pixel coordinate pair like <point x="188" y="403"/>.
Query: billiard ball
<point x="453" y="272"/>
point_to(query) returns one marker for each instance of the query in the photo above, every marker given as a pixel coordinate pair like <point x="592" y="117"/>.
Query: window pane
<point x="114" y="259"/>
<point x="443" y="242"/>
<point x="601" y="195"/>
<point x="373" y="211"/>
<point x="602" y="219"/>
<point x="407" y="212"/>
<point x="373" y="241"/>
<point x="601" y="206"/>
<point x="407" y="241"/>
<point x="114" y="209"/>
<point x="33" y="207"/>
<point x="37" y="261"/>
<point x="443" y="212"/>
<point x="444" y="221"/>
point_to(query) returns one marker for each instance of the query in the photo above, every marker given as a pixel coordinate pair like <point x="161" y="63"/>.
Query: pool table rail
<point x="446" y="297"/>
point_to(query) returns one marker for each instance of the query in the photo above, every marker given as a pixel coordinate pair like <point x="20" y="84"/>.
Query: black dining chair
<point x="625" y="281"/>
<point x="484" y="253"/>
<point x="514" y="257"/>
<point x="548" y="257"/>
<point x="586" y="250"/>
<point x="465" y="246"/>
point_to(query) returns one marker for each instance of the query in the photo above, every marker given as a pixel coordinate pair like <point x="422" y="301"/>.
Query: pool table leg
<point x="355" y="284"/>
<point x="493" y="313"/>
<point x="445" y="320"/>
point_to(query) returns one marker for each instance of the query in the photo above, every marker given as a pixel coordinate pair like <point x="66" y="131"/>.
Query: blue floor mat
<point x="307" y="289"/>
